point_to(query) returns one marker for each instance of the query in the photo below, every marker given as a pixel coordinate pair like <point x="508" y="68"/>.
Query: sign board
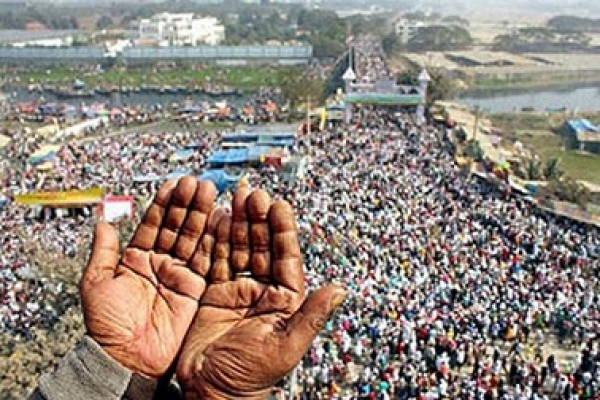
<point x="114" y="208"/>
<point x="57" y="199"/>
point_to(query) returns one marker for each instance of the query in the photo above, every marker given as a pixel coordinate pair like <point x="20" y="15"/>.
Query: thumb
<point x="105" y="255"/>
<point x="310" y="319"/>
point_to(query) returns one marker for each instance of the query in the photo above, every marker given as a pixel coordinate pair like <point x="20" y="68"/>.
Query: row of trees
<point x="20" y="19"/>
<point x="430" y="38"/>
<point x="570" y="23"/>
<point x="541" y="39"/>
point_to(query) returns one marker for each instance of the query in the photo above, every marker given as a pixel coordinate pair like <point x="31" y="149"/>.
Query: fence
<point x="219" y="52"/>
<point x="282" y="54"/>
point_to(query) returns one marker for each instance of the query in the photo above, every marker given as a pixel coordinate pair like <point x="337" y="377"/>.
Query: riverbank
<point x="243" y="78"/>
<point x="507" y="87"/>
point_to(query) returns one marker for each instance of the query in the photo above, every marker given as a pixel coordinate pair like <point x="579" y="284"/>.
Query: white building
<point x="406" y="29"/>
<point x="182" y="29"/>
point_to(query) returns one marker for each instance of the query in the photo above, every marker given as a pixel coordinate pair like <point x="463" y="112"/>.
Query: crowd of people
<point x="457" y="290"/>
<point x="32" y="236"/>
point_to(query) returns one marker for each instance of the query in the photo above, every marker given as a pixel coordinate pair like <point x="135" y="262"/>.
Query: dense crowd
<point x="115" y="164"/>
<point x="457" y="290"/>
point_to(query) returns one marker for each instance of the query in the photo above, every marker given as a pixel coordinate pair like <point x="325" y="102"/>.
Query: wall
<point x="247" y="54"/>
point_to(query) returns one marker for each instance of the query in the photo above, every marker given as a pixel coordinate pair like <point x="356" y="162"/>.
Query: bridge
<point x="365" y="77"/>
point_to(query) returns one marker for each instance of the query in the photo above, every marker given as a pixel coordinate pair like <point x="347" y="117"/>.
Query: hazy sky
<point x="516" y="9"/>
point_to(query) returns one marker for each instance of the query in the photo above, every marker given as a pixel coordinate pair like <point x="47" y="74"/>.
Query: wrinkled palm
<point x="139" y="306"/>
<point x="254" y="322"/>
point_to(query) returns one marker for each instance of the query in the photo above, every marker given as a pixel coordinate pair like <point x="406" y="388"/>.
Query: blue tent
<point x="78" y="84"/>
<point x="229" y="157"/>
<point x="268" y="140"/>
<point x="222" y="180"/>
<point x="181" y="155"/>
<point x="256" y="152"/>
<point x="178" y="174"/>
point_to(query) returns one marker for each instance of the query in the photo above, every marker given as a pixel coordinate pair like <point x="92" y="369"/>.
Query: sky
<point x="494" y="9"/>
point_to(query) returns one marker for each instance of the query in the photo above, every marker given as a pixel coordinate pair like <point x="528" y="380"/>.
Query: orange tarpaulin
<point x="224" y="111"/>
<point x="270" y="107"/>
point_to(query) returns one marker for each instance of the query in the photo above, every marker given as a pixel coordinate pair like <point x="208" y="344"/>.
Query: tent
<point x="178" y="174"/>
<point x="193" y="146"/>
<point x="46" y="166"/>
<point x="257" y="153"/>
<point x="66" y="199"/>
<point x="45" y="154"/>
<point x="181" y="155"/>
<point x="269" y="140"/>
<point x="222" y="180"/>
<point x="229" y="157"/>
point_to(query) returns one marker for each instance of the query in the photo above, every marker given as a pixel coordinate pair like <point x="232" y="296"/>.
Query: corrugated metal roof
<point x="582" y="125"/>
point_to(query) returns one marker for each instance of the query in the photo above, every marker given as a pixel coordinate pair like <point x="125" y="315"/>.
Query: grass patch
<point x="239" y="77"/>
<point x="548" y="145"/>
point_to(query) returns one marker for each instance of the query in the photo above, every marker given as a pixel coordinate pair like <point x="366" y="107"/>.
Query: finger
<point x="179" y="279"/>
<point x="287" y="268"/>
<point x="195" y="222"/>
<point x="147" y="232"/>
<point x="104" y="258"/>
<point x="258" y="205"/>
<point x="220" y="271"/>
<point x="310" y="319"/>
<point x="200" y="262"/>
<point x="240" y="230"/>
<point x="182" y="197"/>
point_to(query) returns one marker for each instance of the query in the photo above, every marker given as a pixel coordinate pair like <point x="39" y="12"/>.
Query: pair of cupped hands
<point x="216" y="295"/>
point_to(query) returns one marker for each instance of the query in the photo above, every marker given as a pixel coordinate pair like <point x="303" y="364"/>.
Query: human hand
<point x="254" y="322"/>
<point x="139" y="307"/>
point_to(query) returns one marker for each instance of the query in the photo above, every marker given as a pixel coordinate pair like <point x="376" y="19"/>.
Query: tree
<point x="298" y="86"/>
<point x="473" y="150"/>
<point x="391" y="43"/>
<point x="569" y="23"/>
<point x="104" y="22"/>
<point x="441" y="86"/>
<point x="440" y="38"/>
<point x="325" y="47"/>
<point x="552" y="169"/>
<point x="569" y="190"/>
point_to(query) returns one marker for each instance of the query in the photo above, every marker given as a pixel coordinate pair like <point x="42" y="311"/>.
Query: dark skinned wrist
<point x="202" y="390"/>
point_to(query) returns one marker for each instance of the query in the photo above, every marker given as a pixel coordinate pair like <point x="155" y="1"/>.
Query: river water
<point x="577" y="98"/>
<point x="132" y="99"/>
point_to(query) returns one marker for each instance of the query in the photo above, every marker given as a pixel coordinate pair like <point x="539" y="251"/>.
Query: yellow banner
<point x="70" y="197"/>
<point x="323" y="119"/>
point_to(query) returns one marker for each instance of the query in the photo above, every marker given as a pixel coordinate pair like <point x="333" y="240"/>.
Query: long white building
<point x="182" y="30"/>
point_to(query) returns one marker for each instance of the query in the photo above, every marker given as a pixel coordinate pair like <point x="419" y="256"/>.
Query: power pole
<point x="476" y="123"/>
<point x="308" y="124"/>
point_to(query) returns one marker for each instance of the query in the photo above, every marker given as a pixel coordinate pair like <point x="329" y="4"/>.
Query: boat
<point x="102" y="91"/>
<point x="220" y="92"/>
<point x="73" y="94"/>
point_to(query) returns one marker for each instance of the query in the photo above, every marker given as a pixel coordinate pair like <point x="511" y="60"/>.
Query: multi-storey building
<point x="182" y="29"/>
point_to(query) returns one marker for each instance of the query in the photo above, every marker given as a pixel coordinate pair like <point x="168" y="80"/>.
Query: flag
<point x="323" y="119"/>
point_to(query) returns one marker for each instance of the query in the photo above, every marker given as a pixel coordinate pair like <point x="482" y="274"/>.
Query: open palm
<point x="254" y="322"/>
<point x="139" y="307"/>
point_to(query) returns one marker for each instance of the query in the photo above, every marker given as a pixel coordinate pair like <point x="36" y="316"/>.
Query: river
<point x="133" y="99"/>
<point x="578" y="98"/>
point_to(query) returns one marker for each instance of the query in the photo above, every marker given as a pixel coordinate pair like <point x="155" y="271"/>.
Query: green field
<point x="238" y="77"/>
<point x="537" y="133"/>
<point x="548" y="145"/>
